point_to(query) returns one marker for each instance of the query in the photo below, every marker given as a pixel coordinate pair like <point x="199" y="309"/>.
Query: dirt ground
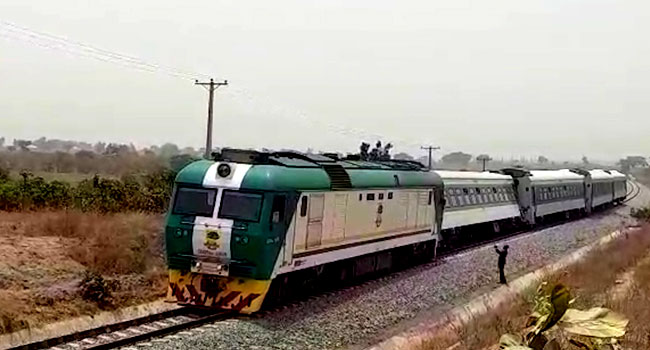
<point x="56" y="265"/>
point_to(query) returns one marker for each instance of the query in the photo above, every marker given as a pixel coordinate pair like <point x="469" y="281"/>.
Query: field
<point x="616" y="276"/>
<point x="61" y="264"/>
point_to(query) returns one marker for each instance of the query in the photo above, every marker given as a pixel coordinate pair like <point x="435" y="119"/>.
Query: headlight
<point x="223" y="170"/>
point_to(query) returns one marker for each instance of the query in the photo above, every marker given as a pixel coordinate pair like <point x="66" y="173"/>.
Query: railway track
<point x="634" y="191"/>
<point x="129" y="332"/>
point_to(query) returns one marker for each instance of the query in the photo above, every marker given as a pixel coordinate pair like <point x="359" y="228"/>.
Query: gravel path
<point x="374" y="310"/>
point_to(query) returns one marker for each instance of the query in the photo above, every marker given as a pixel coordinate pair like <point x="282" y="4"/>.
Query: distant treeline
<point x="116" y="161"/>
<point x="115" y="177"/>
<point x="142" y="193"/>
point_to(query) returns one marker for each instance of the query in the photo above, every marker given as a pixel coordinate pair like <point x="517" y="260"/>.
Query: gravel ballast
<point x="365" y="314"/>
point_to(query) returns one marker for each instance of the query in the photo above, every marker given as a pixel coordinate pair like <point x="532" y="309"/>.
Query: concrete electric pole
<point x="430" y="149"/>
<point x="211" y="87"/>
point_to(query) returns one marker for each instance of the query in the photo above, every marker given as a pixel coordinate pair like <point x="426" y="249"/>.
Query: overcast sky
<point x="561" y="78"/>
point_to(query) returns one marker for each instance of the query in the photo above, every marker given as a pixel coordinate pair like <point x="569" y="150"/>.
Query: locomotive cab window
<point x="390" y="195"/>
<point x="430" y="197"/>
<point x="194" y="201"/>
<point x="370" y="196"/>
<point x="381" y="196"/>
<point x="238" y="205"/>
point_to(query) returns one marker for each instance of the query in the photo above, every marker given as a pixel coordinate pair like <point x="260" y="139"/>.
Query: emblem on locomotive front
<point x="212" y="240"/>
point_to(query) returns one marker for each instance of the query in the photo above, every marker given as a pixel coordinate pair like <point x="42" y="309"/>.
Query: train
<point x="250" y="228"/>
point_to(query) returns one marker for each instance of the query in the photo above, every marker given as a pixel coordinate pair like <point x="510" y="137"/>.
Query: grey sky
<point x="560" y="78"/>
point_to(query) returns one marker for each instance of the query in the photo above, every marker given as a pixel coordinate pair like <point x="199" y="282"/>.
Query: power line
<point x="77" y="48"/>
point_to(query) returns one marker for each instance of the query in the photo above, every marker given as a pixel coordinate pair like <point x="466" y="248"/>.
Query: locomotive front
<point x="222" y="240"/>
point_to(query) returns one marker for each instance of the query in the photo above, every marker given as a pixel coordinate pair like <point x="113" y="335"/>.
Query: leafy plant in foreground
<point x="594" y="329"/>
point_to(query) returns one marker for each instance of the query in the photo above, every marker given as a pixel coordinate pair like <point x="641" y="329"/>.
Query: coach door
<point x="315" y="220"/>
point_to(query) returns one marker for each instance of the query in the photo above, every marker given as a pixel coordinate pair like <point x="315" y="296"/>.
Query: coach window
<point x="390" y="195"/>
<point x="303" y="206"/>
<point x="370" y="197"/>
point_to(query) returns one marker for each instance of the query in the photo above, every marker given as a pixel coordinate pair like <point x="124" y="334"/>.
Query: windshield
<point x="194" y="201"/>
<point x="240" y="206"/>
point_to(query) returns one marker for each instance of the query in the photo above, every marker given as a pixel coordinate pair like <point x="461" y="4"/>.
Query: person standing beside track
<point x="502" y="262"/>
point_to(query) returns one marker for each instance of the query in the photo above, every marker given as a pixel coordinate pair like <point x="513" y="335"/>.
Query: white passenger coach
<point x="477" y="197"/>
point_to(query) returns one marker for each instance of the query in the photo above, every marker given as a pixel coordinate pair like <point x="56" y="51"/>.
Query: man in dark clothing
<point x="502" y="262"/>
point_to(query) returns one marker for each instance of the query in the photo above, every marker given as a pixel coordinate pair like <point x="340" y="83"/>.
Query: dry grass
<point x="44" y="257"/>
<point x="589" y="280"/>
<point x="636" y="307"/>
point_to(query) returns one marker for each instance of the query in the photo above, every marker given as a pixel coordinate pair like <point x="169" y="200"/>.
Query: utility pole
<point x="430" y="149"/>
<point x="211" y="87"/>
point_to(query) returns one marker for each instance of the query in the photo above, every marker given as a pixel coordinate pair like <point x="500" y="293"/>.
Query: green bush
<point x="132" y="193"/>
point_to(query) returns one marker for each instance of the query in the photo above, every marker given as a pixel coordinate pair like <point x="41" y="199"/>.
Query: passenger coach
<point x="474" y="198"/>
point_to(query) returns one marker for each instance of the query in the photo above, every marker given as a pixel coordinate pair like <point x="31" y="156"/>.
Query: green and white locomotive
<point x="250" y="223"/>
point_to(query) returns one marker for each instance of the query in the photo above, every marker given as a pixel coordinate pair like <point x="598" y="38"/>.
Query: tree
<point x="168" y="150"/>
<point x="542" y="160"/>
<point x="85" y="161"/>
<point x="403" y="156"/>
<point x="64" y="162"/>
<point x="99" y="147"/>
<point x="457" y="158"/>
<point x="2" y="142"/>
<point x="189" y="150"/>
<point x="585" y="160"/>
<point x="632" y="162"/>
<point x="637" y="161"/>
<point x="179" y="161"/>
<point x="116" y="149"/>
<point x="41" y="143"/>
<point x="483" y="158"/>
<point x="22" y="144"/>
<point x="4" y="175"/>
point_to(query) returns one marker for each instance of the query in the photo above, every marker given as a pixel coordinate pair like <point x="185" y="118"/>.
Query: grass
<point x="590" y="281"/>
<point x="53" y="263"/>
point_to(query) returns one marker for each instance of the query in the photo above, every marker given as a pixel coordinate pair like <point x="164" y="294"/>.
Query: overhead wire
<point x="17" y="32"/>
<point x="20" y="33"/>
